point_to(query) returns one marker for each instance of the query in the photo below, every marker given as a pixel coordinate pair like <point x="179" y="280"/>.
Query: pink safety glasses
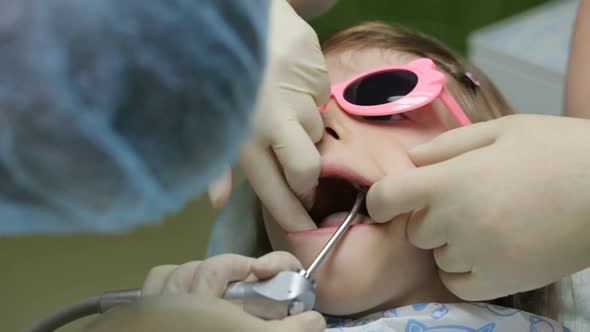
<point x="396" y="89"/>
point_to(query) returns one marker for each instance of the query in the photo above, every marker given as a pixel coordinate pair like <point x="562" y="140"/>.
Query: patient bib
<point x="437" y="317"/>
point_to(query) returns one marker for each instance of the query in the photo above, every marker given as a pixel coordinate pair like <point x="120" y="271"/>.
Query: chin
<point x="374" y="267"/>
<point x="350" y="294"/>
<point x="347" y="279"/>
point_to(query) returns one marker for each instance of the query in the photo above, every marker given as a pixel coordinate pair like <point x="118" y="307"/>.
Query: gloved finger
<point x="178" y="313"/>
<point x="425" y="230"/>
<point x="309" y="321"/>
<point x="299" y="159"/>
<point x="308" y="115"/>
<point x="181" y="279"/>
<point x="317" y="70"/>
<point x="394" y="195"/>
<point x="309" y="74"/>
<point x="454" y="143"/>
<point x="323" y="97"/>
<point x="156" y="278"/>
<point x="449" y="260"/>
<point x="322" y="85"/>
<point x="270" y="264"/>
<point x="220" y="189"/>
<point x="215" y="273"/>
<point x="263" y="173"/>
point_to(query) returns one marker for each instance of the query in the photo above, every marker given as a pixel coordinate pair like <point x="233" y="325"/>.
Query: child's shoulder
<point x="441" y="317"/>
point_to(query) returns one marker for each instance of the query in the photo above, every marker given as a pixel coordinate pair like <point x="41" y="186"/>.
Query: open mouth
<point x="334" y="199"/>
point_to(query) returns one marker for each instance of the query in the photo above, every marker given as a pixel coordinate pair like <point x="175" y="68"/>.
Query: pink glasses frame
<point x="430" y="85"/>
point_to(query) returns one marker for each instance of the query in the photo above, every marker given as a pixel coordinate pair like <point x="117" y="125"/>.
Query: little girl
<point x="392" y="89"/>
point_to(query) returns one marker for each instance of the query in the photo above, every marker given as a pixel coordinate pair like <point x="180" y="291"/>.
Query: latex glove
<point x="188" y="298"/>
<point x="281" y="162"/>
<point x="505" y="204"/>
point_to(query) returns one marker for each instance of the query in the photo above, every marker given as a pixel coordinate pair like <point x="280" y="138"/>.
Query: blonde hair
<point x="480" y="103"/>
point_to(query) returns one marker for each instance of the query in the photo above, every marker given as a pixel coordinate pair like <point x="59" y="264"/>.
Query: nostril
<point x="332" y="133"/>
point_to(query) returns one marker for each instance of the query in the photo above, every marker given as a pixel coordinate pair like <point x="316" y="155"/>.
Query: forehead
<point x="343" y="65"/>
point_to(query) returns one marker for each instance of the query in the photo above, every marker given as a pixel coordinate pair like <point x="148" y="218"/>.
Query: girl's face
<point x="374" y="266"/>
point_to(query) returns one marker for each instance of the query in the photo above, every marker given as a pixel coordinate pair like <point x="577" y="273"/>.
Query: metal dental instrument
<point x="332" y="241"/>
<point x="289" y="292"/>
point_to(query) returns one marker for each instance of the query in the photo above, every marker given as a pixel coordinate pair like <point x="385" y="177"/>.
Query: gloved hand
<point x="188" y="298"/>
<point x="505" y="204"/>
<point x="281" y="162"/>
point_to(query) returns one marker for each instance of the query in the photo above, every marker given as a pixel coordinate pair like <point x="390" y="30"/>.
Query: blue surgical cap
<point x="116" y="112"/>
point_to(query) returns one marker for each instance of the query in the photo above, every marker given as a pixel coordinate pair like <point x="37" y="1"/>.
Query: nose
<point x="335" y="122"/>
<point x="332" y="132"/>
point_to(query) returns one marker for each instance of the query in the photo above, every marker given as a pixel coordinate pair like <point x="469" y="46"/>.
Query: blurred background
<point x="41" y="273"/>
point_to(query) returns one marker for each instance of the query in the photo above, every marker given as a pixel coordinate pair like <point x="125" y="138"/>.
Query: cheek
<point x="388" y="147"/>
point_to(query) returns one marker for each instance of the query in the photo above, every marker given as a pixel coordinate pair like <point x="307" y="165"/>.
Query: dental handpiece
<point x="289" y="292"/>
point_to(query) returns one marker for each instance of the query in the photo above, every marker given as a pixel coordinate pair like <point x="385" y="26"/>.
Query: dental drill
<point x="287" y="293"/>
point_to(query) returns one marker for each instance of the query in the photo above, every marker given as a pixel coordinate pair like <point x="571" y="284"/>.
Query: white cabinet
<point x="526" y="56"/>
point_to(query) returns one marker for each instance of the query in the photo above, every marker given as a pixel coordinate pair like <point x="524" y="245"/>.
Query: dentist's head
<point x="116" y="112"/>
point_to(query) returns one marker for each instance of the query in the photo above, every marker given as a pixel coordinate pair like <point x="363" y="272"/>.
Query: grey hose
<point x="87" y="307"/>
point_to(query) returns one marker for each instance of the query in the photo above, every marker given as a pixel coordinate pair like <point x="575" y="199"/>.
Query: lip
<point x="332" y="169"/>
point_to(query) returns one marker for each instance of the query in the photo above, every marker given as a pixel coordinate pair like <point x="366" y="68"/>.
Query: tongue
<point x="336" y="219"/>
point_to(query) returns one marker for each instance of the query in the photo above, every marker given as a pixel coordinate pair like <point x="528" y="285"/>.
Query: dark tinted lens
<point x="381" y="88"/>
